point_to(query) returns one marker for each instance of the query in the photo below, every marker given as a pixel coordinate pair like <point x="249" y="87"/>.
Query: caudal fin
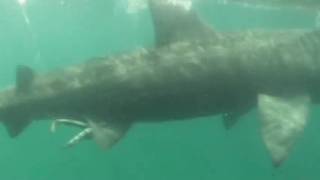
<point x="16" y="121"/>
<point x="15" y="126"/>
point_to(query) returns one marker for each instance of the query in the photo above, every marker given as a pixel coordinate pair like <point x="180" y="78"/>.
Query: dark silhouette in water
<point x="193" y="71"/>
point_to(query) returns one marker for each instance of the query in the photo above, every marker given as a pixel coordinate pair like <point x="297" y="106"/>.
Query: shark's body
<point x="192" y="72"/>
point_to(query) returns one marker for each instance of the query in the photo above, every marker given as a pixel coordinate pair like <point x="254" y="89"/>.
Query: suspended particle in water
<point x="22" y="4"/>
<point x="317" y="20"/>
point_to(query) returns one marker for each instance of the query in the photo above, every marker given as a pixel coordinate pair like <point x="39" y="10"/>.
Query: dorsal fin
<point x="176" y="22"/>
<point x="24" y="78"/>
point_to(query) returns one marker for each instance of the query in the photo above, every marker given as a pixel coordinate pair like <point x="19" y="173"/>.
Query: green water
<point x="61" y="34"/>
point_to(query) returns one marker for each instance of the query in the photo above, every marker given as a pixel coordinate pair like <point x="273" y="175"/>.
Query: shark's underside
<point x="193" y="71"/>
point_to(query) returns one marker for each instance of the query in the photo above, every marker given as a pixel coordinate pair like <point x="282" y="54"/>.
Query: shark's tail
<point x="16" y="122"/>
<point x="16" y="126"/>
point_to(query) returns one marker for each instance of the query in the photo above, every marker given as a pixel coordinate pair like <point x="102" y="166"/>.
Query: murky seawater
<point x="50" y="34"/>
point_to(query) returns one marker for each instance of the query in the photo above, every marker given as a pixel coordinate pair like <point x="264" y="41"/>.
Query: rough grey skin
<point x="193" y="71"/>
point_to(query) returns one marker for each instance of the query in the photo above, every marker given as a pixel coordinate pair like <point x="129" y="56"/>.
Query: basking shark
<point x="192" y="71"/>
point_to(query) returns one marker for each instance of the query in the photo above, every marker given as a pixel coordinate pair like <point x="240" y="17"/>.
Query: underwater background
<point x="52" y="34"/>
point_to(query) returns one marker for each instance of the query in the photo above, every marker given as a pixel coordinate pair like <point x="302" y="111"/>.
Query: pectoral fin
<point x="283" y="121"/>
